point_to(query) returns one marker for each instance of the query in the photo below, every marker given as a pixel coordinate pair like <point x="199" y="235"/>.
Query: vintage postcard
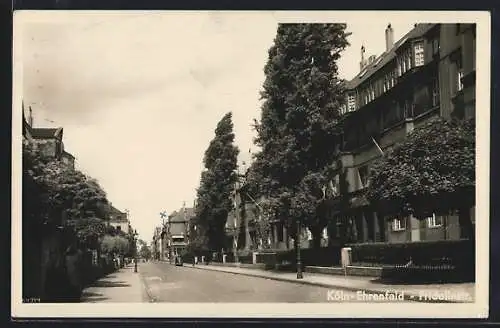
<point x="251" y="164"/>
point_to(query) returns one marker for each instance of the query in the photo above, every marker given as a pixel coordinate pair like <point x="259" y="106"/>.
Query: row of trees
<point x="300" y="138"/>
<point x="62" y="209"/>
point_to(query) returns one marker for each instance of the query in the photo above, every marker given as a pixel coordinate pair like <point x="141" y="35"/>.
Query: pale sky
<point x="139" y="95"/>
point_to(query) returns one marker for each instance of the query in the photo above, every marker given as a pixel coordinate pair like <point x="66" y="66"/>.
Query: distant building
<point x="48" y="140"/>
<point x="157" y="243"/>
<point x="176" y="232"/>
<point x="119" y="220"/>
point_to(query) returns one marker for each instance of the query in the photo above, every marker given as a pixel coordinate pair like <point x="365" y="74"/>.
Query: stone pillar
<point x="285" y="236"/>
<point x="364" y="226"/>
<point x="248" y="239"/>
<point x="275" y="235"/>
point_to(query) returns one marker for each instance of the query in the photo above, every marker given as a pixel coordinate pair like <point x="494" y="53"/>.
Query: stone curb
<point x="407" y="297"/>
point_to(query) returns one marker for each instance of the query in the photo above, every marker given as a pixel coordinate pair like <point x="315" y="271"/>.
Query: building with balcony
<point x="118" y="219"/>
<point x="175" y="234"/>
<point x="429" y="72"/>
<point x="241" y="220"/>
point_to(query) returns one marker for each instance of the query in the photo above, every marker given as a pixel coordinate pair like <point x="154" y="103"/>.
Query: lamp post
<point x="299" y="262"/>
<point x="135" y="251"/>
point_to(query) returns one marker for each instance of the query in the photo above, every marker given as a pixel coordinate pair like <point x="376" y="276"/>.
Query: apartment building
<point x="429" y="72"/>
<point x="118" y="219"/>
<point x="48" y="140"/>
<point x="175" y="234"/>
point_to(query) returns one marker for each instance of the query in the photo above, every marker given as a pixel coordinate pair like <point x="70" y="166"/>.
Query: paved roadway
<point x="168" y="283"/>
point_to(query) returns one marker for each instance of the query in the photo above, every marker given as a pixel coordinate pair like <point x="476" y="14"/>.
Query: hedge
<point x="444" y="252"/>
<point x="323" y="256"/>
<point x="428" y="274"/>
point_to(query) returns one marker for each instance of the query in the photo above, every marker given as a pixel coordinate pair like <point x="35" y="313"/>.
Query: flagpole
<point x="378" y="147"/>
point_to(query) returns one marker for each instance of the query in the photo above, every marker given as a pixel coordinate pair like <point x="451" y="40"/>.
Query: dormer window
<point x="419" y="53"/>
<point x="351" y="102"/>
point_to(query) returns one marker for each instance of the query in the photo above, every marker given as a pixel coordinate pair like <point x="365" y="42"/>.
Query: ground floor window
<point x="434" y="221"/>
<point x="398" y="224"/>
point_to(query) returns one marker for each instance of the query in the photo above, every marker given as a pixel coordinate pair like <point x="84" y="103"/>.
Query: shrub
<point x="457" y="253"/>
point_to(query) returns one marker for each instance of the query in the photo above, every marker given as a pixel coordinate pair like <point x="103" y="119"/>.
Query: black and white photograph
<point x="250" y="164"/>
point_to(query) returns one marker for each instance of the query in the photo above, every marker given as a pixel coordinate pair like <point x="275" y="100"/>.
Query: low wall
<point x="350" y="271"/>
<point x="260" y="266"/>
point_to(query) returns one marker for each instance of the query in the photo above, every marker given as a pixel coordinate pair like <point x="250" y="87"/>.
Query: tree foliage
<point x="297" y="131"/>
<point x="431" y="171"/>
<point x="57" y="194"/>
<point x="217" y="183"/>
<point x="114" y="245"/>
<point x="145" y="252"/>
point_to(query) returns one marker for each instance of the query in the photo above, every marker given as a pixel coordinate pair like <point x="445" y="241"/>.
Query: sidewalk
<point x="121" y="286"/>
<point x="464" y="292"/>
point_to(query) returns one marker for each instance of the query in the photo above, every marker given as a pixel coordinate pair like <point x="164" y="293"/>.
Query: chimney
<point x="30" y="118"/>
<point x="362" y="63"/>
<point x="389" y="37"/>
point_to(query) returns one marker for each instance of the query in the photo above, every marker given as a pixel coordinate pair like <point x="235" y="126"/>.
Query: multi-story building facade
<point x="243" y="220"/>
<point x="175" y="233"/>
<point x="429" y="72"/>
<point x="118" y="219"/>
<point x="240" y="225"/>
<point x="157" y="243"/>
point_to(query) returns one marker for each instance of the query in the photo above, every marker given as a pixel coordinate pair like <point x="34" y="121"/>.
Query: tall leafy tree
<point x="297" y="131"/>
<point x="217" y="183"/>
<point x="63" y="195"/>
<point x="431" y="171"/>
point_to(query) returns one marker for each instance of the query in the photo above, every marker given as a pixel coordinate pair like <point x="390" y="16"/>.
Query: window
<point x="435" y="46"/>
<point x="435" y="92"/>
<point x="419" y="53"/>
<point x="363" y="176"/>
<point x="434" y="221"/>
<point x="460" y="74"/>
<point x="343" y="109"/>
<point x="398" y="225"/>
<point x="408" y="60"/>
<point x="351" y="102"/>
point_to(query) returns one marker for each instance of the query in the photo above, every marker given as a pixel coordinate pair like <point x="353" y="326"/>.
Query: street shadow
<point x="105" y="283"/>
<point x="89" y="297"/>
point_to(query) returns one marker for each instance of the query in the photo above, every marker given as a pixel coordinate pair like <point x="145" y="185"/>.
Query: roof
<point x="46" y="133"/>
<point x="178" y="216"/>
<point x="26" y="125"/>
<point x="65" y="153"/>
<point x="418" y="31"/>
<point x="117" y="215"/>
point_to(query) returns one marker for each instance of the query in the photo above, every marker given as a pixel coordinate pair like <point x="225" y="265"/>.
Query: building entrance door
<point x="415" y="229"/>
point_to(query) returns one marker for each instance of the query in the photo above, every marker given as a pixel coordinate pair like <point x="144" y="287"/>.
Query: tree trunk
<point x="466" y="227"/>
<point x="248" y="240"/>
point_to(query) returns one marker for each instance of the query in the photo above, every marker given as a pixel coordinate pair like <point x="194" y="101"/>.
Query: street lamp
<point x="135" y="250"/>
<point x="299" y="262"/>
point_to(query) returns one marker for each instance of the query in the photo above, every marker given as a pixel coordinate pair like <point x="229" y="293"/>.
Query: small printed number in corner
<point x="31" y="300"/>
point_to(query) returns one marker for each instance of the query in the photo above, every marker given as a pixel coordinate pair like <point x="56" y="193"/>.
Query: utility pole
<point x="299" y="262"/>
